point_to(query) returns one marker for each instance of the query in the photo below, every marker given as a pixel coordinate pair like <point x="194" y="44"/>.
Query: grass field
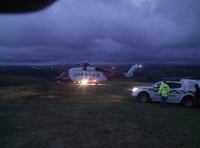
<point x="40" y="113"/>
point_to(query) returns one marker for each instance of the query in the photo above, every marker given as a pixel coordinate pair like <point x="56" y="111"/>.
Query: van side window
<point x="157" y="85"/>
<point x="174" y="85"/>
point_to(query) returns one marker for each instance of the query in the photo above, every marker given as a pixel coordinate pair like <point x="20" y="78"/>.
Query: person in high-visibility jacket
<point x="164" y="92"/>
<point x="197" y="95"/>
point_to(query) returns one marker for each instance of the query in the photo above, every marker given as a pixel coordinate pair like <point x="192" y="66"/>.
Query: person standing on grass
<point x="197" y="95"/>
<point x="164" y="92"/>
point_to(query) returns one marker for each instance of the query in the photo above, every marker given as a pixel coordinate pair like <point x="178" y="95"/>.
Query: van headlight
<point x="134" y="89"/>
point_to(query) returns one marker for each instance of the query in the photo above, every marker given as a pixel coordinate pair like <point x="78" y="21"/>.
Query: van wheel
<point x="188" y="101"/>
<point x="143" y="97"/>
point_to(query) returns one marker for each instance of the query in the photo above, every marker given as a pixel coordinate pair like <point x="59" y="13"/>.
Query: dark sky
<point x="103" y="31"/>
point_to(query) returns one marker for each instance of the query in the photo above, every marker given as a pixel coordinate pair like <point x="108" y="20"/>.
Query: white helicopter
<point x="93" y="75"/>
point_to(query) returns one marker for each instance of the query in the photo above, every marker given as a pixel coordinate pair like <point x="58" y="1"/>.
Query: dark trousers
<point x="163" y="101"/>
<point x="197" y="101"/>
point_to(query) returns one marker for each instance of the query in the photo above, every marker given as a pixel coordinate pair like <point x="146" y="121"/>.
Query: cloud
<point x="114" y="30"/>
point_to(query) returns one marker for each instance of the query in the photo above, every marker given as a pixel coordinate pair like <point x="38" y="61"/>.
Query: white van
<point x="180" y="92"/>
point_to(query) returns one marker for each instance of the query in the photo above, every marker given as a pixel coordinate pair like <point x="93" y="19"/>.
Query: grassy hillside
<point x="41" y="113"/>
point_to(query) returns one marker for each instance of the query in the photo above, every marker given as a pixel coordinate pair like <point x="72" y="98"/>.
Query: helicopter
<point x="86" y="74"/>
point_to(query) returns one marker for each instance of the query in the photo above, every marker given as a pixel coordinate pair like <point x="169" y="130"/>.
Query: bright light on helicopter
<point x="84" y="82"/>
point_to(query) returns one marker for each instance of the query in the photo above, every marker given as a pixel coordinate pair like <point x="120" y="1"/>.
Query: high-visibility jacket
<point x="164" y="89"/>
